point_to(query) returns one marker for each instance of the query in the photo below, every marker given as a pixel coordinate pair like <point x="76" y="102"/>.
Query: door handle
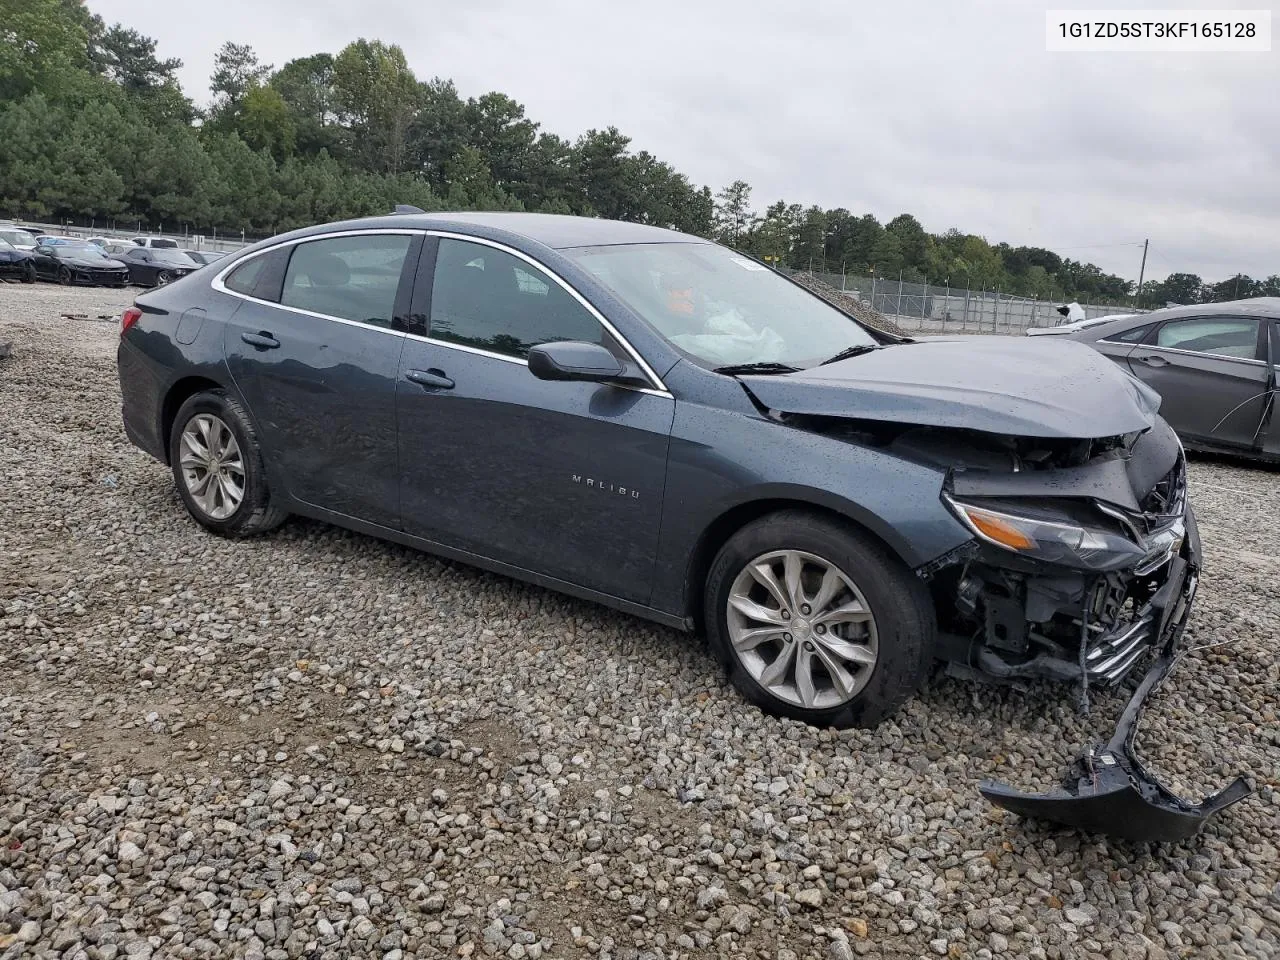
<point x="1154" y="361"/>
<point x="430" y="379"/>
<point x="262" y="340"/>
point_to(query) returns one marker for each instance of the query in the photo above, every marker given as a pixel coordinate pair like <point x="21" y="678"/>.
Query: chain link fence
<point x="933" y="308"/>
<point x="87" y="227"/>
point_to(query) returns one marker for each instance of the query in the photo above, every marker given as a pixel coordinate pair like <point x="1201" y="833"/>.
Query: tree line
<point x="94" y="124"/>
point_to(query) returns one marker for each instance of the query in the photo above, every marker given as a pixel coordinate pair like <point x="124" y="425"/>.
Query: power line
<point x="1090" y="246"/>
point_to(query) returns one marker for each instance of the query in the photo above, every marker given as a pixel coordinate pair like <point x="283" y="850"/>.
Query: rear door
<point x="1210" y="375"/>
<point x="564" y="479"/>
<point x="315" y="349"/>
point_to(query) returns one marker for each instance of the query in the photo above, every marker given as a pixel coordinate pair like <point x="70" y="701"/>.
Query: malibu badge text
<point x="604" y="486"/>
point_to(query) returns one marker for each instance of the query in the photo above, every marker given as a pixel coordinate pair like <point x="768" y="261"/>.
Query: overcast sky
<point x="950" y="110"/>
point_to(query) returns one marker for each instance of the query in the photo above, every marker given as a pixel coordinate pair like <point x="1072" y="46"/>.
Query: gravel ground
<point x="314" y="744"/>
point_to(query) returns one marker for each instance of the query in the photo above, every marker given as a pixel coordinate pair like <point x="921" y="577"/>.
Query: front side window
<point x="352" y="278"/>
<point x="720" y="307"/>
<point x="1222" y="336"/>
<point x="486" y="298"/>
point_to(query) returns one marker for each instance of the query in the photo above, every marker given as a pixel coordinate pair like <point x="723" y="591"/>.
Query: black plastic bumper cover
<point x="1109" y="791"/>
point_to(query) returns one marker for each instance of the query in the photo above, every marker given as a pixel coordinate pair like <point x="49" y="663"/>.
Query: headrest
<point x="327" y="270"/>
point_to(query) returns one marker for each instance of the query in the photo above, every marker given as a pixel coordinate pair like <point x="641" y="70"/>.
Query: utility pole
<point x="1142" y="272"/>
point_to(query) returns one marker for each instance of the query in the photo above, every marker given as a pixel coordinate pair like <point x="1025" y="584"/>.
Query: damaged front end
<point x="1084" y="556"/>
<point x="1080" y="571"/>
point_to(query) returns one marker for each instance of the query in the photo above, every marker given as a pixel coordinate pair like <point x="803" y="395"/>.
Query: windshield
<point x="84" y="251"/>
<point x="6" y="245"/>
<point x="173" y="257"/>
<point x="721" y="307"/>
<point x="15" y="237"/>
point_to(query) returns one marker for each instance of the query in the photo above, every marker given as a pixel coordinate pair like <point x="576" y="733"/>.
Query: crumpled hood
<point x="1023" y="386"/>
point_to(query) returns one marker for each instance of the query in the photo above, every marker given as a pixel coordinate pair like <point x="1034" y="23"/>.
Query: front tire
<point x="64" y="277"/>
<point x="217" y="466"/>
<point x="816" y="621"/>
<point x="163" y="278"/>
<point x="29" y="274"/>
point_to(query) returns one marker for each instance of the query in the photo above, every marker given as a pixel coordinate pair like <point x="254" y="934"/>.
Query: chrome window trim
<point x="218" y="284"/>
<point x="1203" y="353"/>
<point x="658" y="388"/>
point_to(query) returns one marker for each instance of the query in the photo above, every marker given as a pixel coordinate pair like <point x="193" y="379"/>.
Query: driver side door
<point x="46" y="263"/>
<point x="563" y="479"/>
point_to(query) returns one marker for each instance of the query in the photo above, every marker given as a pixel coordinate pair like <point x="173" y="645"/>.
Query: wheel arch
<point x="179" y="393"/>
<point x="717" y="533"/>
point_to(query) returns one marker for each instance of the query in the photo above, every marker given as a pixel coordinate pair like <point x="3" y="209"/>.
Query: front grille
<point x="1114" y="656"/>
<point x="106" y="276"/>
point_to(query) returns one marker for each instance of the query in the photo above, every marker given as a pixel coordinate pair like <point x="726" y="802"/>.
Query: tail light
<point x="128" y="319"/>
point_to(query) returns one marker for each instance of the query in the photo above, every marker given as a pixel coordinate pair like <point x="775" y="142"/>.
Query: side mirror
<point x="574" y="360"/>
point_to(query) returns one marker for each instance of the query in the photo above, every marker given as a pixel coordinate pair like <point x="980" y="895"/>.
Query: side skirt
<point x="493" y="566"/>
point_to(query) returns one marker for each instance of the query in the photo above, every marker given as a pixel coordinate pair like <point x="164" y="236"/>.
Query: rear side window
<point x="351" y="278"/>
<point x="161" y="242"/>
<point x="486" y="298"/>
<point x="1222" y="336"/>
<point x="243" y="278"/>
<point x="1136" y="335"/>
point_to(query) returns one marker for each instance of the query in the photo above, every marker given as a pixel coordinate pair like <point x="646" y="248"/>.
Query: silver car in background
<point x="1214" y="366"/>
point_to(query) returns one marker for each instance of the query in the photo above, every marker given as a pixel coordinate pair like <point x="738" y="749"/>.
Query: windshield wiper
<point x="854" y="351"/>
<point x="768" y="367"/>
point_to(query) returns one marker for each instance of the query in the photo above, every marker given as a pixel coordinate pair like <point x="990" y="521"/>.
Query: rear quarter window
<point x="1136" y="335"/>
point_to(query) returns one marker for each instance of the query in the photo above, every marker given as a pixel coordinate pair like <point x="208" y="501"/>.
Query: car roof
<point x="1259" y="306"/>
<point x="554" y="230"/>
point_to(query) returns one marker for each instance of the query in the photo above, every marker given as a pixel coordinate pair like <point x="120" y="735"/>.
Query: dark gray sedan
<point x="1214" y="367"/>
<point x="655" y="422"/>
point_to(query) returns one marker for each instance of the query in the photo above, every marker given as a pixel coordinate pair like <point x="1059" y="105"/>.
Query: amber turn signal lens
<point x="999" y="530"/>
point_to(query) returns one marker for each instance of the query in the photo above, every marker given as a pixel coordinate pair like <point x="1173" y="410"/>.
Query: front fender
<point x="722" y="460"/>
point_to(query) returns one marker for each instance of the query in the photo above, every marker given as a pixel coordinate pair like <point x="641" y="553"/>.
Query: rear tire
<point x="847" y="648"/>
<point x="218" y="469"/>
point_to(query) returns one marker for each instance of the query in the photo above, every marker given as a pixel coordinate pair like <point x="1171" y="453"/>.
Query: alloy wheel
<point x="802" y="629"/>
<point x="212" y="466"/>
<point x="163" y="277"/>
<point x="64" y="276"/>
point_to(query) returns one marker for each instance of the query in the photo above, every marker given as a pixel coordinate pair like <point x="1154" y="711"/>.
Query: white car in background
<point x="1075" y="327"/>
<point x="17" y="238"/>
<point x="156" y="242"/>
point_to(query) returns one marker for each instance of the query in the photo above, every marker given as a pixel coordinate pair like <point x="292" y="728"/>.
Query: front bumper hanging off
<point x="1109" y="791"/>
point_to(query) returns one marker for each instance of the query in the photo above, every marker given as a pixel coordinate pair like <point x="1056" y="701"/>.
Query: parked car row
<point x="27" y="255"/>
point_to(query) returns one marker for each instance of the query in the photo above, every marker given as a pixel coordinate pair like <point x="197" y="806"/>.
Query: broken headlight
<point x="1052" y="541"/>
